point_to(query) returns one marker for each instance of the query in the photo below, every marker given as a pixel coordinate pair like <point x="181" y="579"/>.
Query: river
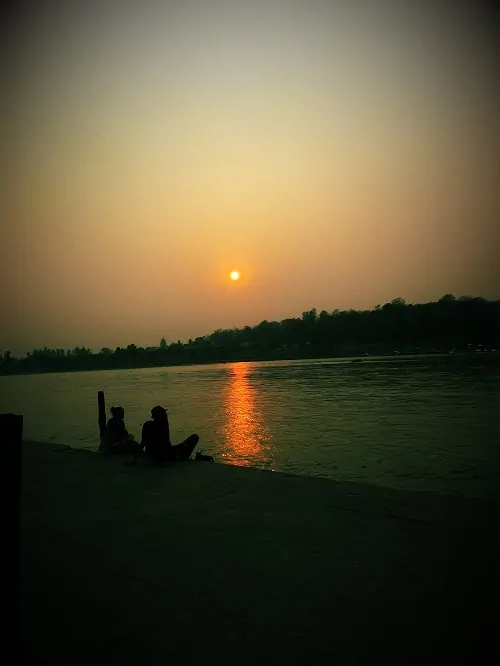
<point x="402" y="423"/>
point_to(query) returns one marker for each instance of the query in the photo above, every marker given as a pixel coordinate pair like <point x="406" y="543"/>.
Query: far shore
<point x="469" y="357"/>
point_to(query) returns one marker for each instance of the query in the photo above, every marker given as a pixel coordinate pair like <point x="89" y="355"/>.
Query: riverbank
<point x="459" y="358"/>
<point x="130" y="565"/>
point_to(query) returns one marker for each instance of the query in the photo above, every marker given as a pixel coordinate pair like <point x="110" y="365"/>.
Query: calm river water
<point x="412" y="424"/>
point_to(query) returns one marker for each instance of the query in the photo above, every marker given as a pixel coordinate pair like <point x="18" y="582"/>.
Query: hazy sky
<point x="338" y="154"/>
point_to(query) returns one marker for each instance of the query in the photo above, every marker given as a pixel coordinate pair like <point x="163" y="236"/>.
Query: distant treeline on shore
<point x="465" y="324"/>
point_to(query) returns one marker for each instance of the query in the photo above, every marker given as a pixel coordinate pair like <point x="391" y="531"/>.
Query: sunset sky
<point x="337" y="154"/>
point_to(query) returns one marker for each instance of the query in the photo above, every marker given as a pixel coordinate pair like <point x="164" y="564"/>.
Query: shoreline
<point x="488" y="492"/>
<point x="362" y="489"/>
<point x="487" y="357"/>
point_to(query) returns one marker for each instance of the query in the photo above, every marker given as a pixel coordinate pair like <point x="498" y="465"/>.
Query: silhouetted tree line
<point x="465" y="324"/>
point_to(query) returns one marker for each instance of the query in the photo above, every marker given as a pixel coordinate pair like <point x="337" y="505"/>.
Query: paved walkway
<point x="202" y="563"/>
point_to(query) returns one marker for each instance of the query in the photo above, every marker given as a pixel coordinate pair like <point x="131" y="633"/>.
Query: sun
<point x="234" y="275"/>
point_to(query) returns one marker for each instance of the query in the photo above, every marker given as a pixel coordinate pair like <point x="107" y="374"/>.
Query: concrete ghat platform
<point x="230" y="565"/>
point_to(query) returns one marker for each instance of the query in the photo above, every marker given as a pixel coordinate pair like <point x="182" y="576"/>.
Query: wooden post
<point x="101" y="404"/>
<point x="11" y="438"/>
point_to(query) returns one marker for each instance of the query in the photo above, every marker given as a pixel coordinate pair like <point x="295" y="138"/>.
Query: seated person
<point x="116" y="439"/>
<point x="156" y="439"/>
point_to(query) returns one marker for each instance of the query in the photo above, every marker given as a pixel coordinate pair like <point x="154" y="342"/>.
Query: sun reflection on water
<point x="244" y="431"/>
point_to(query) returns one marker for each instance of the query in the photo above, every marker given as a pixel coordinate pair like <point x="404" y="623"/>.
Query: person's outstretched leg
<point x="187" y="447"/>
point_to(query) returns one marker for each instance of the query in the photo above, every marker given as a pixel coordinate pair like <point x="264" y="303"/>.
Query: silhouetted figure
<point x="116" y="439"/>
<point x="156" y="439"/>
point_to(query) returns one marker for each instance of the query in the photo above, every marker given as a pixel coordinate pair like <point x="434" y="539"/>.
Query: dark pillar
<point x="101" y="404"/>
<point x="11" y="438"/>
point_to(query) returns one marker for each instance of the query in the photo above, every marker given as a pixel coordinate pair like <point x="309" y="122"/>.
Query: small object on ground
<point x="200" y="456"/>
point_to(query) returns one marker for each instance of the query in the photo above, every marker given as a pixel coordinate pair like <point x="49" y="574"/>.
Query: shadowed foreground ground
<point x="227" y="565"/>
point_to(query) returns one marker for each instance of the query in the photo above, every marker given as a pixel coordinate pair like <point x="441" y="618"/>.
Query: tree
<point x="443" y="325"/>
<point x="309" y="316"/>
